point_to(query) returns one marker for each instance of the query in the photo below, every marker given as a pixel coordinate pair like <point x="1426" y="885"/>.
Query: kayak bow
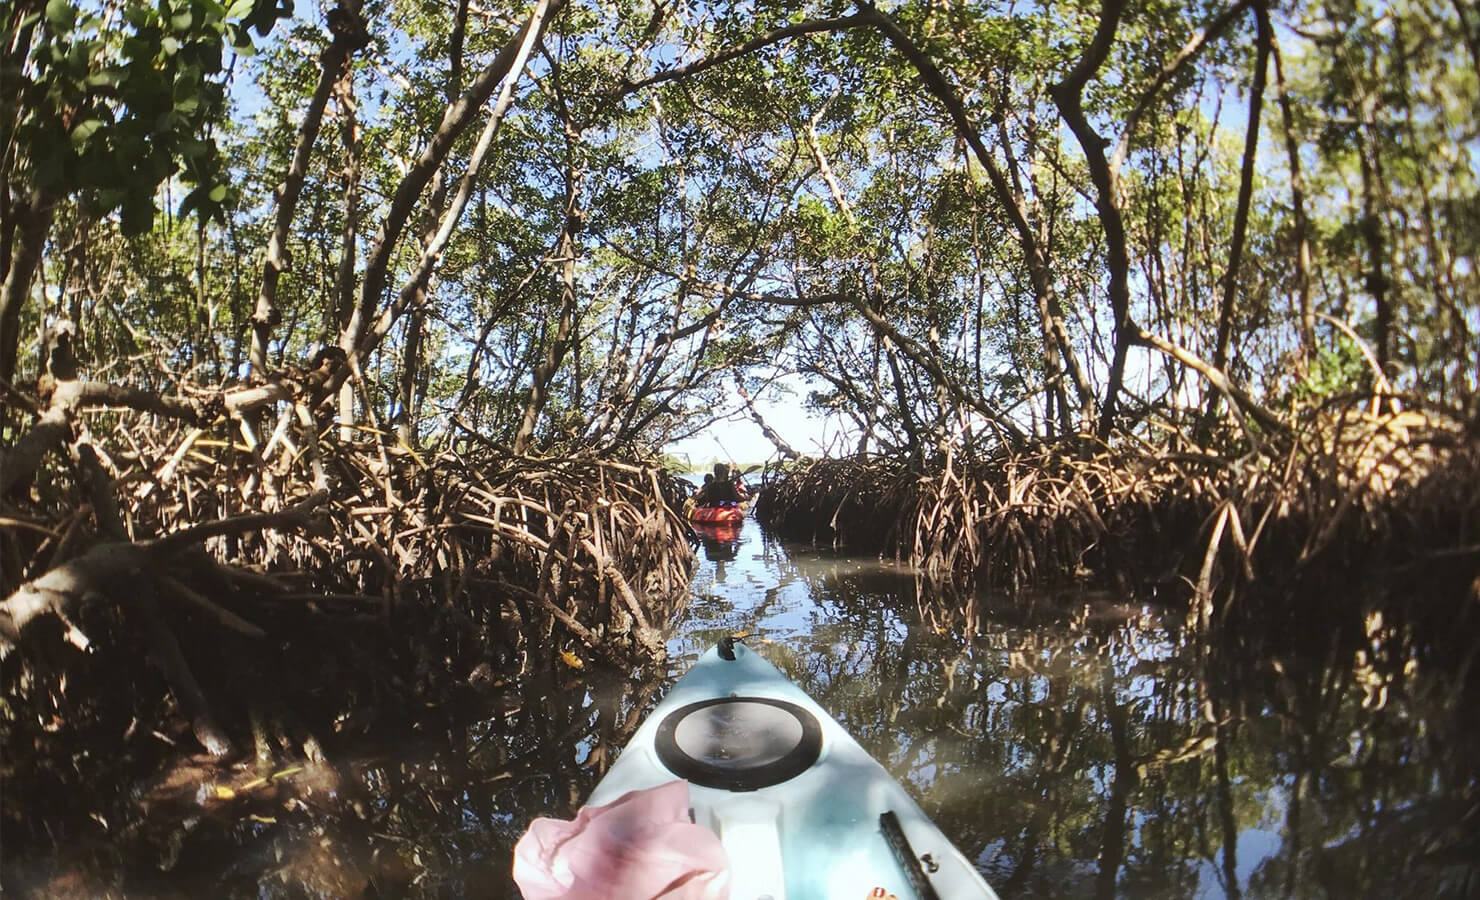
<point x="802" y="810"/>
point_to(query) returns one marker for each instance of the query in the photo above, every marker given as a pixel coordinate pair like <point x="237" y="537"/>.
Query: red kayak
<point x="719" y="532"/>
<point x="726" y="513"/>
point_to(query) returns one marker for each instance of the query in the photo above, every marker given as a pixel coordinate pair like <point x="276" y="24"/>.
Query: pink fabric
<point x="641" y="846"/>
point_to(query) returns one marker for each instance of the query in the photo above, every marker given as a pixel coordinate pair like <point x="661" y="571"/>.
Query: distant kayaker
<point x="718" y="488"/>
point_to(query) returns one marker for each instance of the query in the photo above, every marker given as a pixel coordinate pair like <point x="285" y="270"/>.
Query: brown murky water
<point x="1103" y="753"/>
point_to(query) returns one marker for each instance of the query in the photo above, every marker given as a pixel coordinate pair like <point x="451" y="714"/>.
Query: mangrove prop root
<point x="194" y="516"/>
<point x="105" y="566"/>
<point x="1348" y="484"/>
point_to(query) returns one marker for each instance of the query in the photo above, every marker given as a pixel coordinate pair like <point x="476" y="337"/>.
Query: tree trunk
<point x="21" y="235"/>
<point x="349" y="36"/>
<point x="411" y="363"/>
<point x="1451" y="333"/>
<point x="1469" y="28"/>
<point x="928" y="362"/>
<point x="412" y="357"/>
<point x="1034" y="254"/>
<point x="354" y="339"/>
<point x="871" y="417"/>
<point x="1263" y="36"/>
<point x="1245" y="187"/>
<point x="344" y="277"/>
<point x="1059" y="357"/>
<point x="1068" y="96"/>
<point x="902" y="398"/>
<point x="1297" y="201"/>
<point x="782" y="447"/>
<point x="558" y="343"/>
<point x="1373" y="236"/>
<point x="32" y="226"/>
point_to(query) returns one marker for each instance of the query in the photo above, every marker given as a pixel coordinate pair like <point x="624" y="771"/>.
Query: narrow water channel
<point x="1103" y="753"/>
<point x="1097" y="753"/>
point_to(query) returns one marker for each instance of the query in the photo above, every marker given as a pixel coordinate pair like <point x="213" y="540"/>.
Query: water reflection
<point x="1102" y="752"/>
<point x="1109" y="752"/>
<point x="720" y="543"/>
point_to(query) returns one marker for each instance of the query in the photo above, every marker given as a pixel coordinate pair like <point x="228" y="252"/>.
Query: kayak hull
<point x="817" y="833"/>
<point x="721" y="532"/>
<point x="718" y="515"/>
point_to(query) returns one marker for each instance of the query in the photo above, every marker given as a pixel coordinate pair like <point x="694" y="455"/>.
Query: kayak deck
<point x="802" y="810"/>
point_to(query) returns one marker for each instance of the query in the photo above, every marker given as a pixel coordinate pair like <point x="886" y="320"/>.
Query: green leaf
<point x="60" y="14"/>
<point x="170" y="46"/>
<point x="217" y="193"/>
<point x="195" y="148"/>
<point x="105" y="78"/>
<point x="82" y="132"/>
<point x="240" y="9"/>
<point x="137" y="215"/>
<point x="47" y="170"/>
<point x="241" y="40"/>
<point x="266" y="12"/>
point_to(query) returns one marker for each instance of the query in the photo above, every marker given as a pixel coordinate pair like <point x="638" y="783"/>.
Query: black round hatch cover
<point x="739" y="743"/>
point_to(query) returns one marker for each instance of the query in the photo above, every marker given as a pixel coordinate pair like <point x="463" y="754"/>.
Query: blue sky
<point x="738" y="439"/>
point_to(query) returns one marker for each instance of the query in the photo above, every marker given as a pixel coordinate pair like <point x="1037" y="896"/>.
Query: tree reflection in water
<point x="1113" y="752"/>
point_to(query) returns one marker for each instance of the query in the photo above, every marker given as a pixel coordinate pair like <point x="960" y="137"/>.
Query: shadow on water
<point x="1100" y="752"/>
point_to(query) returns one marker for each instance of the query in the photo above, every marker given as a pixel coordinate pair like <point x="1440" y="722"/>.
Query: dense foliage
<point x="963" y="224"/>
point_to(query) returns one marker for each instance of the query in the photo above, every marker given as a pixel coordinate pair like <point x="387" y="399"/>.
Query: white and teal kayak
<point x="803" y="812"/>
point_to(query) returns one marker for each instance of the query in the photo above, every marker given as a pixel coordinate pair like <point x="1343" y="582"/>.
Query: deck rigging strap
<point x="905" y="855"/>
